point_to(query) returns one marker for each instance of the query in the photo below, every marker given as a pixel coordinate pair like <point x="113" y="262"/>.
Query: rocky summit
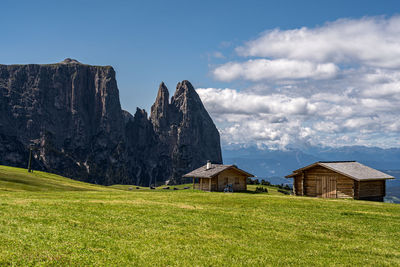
<point x="71" y="113"/>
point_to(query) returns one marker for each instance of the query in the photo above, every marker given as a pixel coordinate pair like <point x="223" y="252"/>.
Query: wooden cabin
<point x="340" y="179"/>
<point x="216" y="177"/>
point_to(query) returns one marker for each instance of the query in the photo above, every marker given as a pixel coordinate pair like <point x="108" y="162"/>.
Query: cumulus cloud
<point x="264" y="69"/>
<point x="228" y="101"/>
<point x="278" y="120"/>
<point x="372" y="41"/>
<point x="332" y="85"/>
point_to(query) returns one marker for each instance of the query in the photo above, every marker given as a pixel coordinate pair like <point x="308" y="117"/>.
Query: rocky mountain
<point x="184" y="128"/>
<point x="71" y="112"/>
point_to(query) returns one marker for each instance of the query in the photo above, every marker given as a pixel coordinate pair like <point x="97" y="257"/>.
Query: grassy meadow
<point x="46" y="219"/>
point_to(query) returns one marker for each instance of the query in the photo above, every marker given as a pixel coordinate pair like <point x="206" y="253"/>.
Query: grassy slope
<point x="185" y="227"/>
<point x="18" y="179"/>
<point x="272" y="190"/>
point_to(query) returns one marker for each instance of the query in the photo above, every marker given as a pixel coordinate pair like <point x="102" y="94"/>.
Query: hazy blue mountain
<point x="270" y="164"/>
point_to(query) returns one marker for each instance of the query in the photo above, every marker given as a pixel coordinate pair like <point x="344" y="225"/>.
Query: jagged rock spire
<point x="185" y="89"/>
<point x="159" y="110"/>
<point x="140" y="114"/>
<point x="187" y="100"/>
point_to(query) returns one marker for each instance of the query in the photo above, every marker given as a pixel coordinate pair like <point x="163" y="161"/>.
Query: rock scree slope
<point x="71" y="112"/>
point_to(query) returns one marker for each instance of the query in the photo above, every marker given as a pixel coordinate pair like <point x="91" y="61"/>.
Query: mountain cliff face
<point x="72" y="113"/>
<point x="186" y="131"/>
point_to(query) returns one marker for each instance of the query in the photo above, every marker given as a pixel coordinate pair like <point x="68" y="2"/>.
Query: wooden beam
<point x="384" y="188"/>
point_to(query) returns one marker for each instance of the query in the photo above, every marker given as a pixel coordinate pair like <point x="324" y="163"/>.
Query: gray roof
<point x="351" y="169"/>
<point x="215" y="169"/>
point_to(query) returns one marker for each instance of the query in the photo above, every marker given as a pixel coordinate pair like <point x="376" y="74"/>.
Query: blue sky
<point x="152" y="41"/>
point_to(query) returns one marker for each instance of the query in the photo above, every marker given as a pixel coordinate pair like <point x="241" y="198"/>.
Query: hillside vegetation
<point x="50" y="220"/>
<point x="18" y="179"/>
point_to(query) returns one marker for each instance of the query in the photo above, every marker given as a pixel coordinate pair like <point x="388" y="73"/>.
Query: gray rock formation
<point x="72" y="113"/>
<point x="187" y="133"/>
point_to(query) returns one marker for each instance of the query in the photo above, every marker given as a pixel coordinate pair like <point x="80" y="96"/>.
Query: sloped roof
<point x="215" y="169"/>
<point x="351" y="169"/>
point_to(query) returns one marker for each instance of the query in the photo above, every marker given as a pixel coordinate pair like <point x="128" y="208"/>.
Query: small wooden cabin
<point x="216" y="177"/>
<point x="340" y="179"/>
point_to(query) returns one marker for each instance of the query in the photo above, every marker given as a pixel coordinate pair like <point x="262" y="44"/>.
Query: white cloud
<point x="372" y="41"/>
<point x="332" y="85"/>
<point x="263" y="69"/>
<point x="383" y="90"/>
<point x="228" y="101"/>
<point x="278" y="120"/>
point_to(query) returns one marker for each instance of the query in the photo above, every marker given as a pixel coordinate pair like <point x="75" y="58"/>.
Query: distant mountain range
<point x="273" y="165"/>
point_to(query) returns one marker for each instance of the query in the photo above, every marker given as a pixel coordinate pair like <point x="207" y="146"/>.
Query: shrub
<point x="253" y="181"/>
<point x="261" y="189"/>
<point x="264" y="182"/>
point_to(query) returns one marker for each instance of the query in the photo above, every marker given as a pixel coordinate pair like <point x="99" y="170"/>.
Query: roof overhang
<point x="352" y="177"/>
<point x="372" y="179"/>
<point x="242" y="171"/>
<point x="291" y="175"/>
<point x="298" y="171"/>
<point x="216" y="174"/>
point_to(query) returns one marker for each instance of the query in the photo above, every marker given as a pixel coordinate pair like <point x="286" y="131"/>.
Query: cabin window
<point x="226" y="180"/>
<point x="236" y="180"/>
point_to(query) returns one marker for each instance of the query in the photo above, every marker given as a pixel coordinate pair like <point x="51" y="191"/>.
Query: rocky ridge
<point x="72" y="113"/>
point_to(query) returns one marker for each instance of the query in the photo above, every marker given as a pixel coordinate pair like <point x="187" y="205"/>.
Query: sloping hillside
<point x="101" y="226"/>
<point x="18" y="179"/>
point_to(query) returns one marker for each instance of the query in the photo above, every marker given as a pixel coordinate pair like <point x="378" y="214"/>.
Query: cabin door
<point x="326" y="187"/>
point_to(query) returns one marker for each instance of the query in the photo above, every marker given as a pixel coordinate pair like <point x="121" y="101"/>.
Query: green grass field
<point x="46" y="219"/>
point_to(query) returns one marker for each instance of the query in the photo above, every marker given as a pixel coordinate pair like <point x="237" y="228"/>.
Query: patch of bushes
<point x="265" y="182"/>
<point x="253" y="181"/>
<point x="257" y="182"/>
<point x="283" y="192"/>
<point x="260" y="189"/>
<point x="284" y="187"/>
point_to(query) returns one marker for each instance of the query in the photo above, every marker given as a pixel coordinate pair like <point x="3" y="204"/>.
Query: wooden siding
<point x="322" y="182"/>
<point x="205" y="184"/>
<point x="218" y="183"/>
<point x="326" y="186"/>
<point x="214" y="184"/>
<point x="233" y="177"/>
<point x="298" y="185"/>
<point x="310" y="180"/>
<point x="345" y="187"/>
<point x="368" y="189"/>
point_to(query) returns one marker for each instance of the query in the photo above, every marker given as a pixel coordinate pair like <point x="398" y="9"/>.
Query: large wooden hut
<point x="340" y="179"/>
<point x="216" y="177"/>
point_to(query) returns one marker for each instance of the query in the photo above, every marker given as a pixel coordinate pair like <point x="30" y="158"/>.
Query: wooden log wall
<point x="371" y="189"/>
<point x="233" y="177"/>
<point x="214" y="184"/>
<point x="313" y="183"/>
<point x="345" y="187"/>
<point x="298" y="185"/>
<point x="205" y="184"/>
